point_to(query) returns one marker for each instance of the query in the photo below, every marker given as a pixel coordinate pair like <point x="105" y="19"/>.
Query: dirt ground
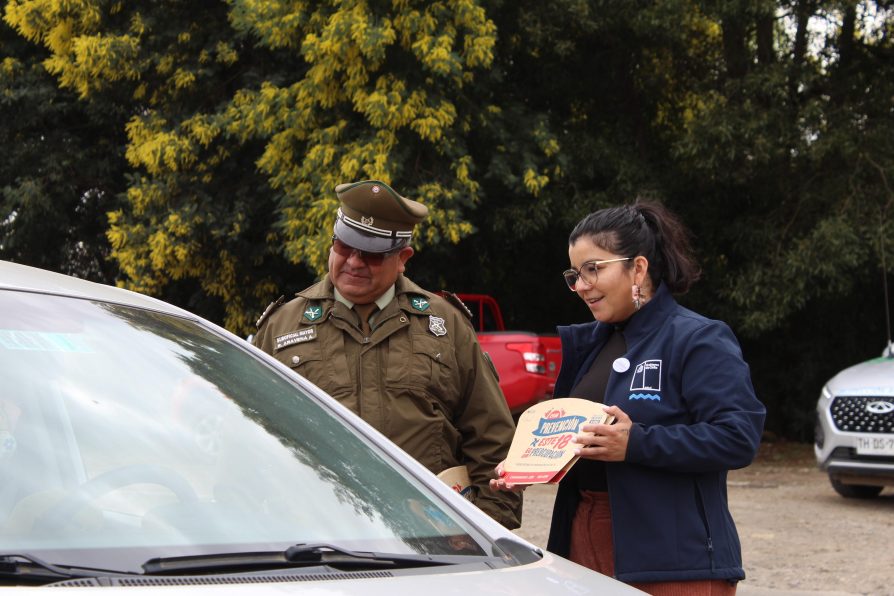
<point x="799" y="537"/>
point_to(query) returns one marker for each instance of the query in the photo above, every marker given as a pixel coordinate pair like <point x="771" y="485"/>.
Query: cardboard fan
<point x="457" y="478"/>
<point x="541" y="450"/>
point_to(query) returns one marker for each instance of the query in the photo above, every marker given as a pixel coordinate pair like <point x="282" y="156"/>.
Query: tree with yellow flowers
<point x="246" y="114"/>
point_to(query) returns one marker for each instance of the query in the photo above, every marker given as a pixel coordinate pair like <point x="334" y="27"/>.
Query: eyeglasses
<point x="370" y="258"/>
<point x="589" y="272"/>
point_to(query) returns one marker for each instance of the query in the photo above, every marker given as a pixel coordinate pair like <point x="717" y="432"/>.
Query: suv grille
<point x="850" y="414"/>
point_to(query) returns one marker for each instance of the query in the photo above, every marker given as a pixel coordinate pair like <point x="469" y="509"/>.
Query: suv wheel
<point x="855" y="491"/>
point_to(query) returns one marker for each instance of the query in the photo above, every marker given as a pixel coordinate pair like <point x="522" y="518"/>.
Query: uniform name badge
<point x="436" y="325"/>
<point x="296" y="337"/>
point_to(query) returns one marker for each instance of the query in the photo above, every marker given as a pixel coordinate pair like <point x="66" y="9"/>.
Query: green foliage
<point x="61" y="168"/>
<point x="352" y="90"/>
<point x="801" y="155"/>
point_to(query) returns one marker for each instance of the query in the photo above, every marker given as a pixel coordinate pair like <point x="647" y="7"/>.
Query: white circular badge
<point x="621" y="365"/>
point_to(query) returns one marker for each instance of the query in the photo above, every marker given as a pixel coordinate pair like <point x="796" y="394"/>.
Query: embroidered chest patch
<point x="436" y="325"/>
<point x="295" y="337"/>
<point x="420" y="303"/>
<point x="646" y="377"/>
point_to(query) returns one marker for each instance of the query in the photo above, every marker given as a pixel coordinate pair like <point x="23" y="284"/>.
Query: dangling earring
<point x="637" y="297"/>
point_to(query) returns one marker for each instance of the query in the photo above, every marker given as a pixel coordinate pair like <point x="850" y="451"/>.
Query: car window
<point x="129" y="434"/>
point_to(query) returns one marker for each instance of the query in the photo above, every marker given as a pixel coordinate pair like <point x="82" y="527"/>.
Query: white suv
<point x="854" y="435"/>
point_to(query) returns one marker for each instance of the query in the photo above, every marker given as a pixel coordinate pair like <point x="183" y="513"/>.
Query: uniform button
<point x="296" y="359"/>
<point x="403" y="319"/>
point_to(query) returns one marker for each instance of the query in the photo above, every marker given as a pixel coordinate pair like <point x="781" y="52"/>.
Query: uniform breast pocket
<point x="309" y="360"/>
<point x="301" y="356"/>
<point x="427" y="363"/>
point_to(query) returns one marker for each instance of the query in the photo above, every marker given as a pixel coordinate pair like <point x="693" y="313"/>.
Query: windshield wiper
<point x="30" y="569"/>
<point x="299" y="555"/>
<point x="322" y="552"/>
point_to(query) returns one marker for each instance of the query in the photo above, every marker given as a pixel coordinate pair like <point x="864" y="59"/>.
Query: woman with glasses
<point x="646" y="502"/>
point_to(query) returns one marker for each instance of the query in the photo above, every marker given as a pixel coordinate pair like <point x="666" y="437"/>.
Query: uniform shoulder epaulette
<point x="457" y="303"/>
<point x="271" y="308"/>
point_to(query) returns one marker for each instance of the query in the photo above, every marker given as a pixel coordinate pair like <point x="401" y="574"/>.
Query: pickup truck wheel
<point x="855" y="491"/>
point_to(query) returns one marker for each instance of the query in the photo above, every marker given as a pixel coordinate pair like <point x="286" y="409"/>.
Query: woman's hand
<point x="498" y="484"/>
<point x="605" y="442"/>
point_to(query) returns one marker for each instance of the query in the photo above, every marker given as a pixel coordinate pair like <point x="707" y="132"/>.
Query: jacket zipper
<point x="704" y="515"/>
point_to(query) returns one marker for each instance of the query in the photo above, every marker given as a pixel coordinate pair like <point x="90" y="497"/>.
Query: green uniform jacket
<point x="420" y="378"/>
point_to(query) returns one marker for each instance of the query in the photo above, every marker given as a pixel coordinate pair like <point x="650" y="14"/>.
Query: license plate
<point x="874" y="445"/>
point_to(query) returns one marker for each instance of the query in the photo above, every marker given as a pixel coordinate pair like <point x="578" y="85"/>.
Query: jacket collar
<point x="586" y="336"/>
<point x="580" y="341"/>
<point x="650" y="316"/>
<point x="325" y="290"/>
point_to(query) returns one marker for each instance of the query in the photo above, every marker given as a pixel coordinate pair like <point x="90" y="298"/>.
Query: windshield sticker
<point x="41" y="341"/>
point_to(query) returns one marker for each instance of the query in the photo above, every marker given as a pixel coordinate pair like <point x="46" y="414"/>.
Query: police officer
<point x="404" y="359"/>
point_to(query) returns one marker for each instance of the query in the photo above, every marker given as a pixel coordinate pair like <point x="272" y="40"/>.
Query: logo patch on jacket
<point x="420" y="303"/>
<point x="646" y="377"/>
<point x="313" y="312"/>
<point x="295" y="337"/>
<point x="436" y="325"/>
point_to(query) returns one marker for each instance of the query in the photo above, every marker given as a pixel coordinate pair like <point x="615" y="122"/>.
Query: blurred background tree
<point x="62" y="168"/>
<point x="209" y="137"/>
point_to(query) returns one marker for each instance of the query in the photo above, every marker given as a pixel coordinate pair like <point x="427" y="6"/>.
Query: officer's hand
<point x="498" y="484"/>
<point x="605" y="442"/>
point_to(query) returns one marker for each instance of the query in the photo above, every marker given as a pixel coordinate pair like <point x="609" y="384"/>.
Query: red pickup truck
<point x="527" y="363"/>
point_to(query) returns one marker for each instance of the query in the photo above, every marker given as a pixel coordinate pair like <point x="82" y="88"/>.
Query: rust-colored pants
<point x="591" y="546"/>
<point x="591" y="533"/>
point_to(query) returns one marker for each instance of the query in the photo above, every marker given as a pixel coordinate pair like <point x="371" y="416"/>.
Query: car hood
<point x="552" y="575"/>
<point x="873" y="377"/>
<point x="14" y="276"/>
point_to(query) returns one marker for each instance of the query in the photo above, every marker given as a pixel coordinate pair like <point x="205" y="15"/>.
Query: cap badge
<point x="312" y="313"/>
<point x="420" y="303"/>
<point x="367" y="221"/>
<point x="436" y="325"/>
<point x="375" y="188"/>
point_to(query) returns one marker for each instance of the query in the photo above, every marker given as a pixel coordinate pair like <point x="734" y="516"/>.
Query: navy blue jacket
<point x="695" y="416"/>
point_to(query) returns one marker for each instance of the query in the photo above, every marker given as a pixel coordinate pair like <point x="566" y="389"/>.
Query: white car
<point x="854" y="435"/>
<point x="142" y="446"/>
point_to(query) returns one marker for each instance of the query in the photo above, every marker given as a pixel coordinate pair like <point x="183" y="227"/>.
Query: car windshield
<point x="128" y="434"/>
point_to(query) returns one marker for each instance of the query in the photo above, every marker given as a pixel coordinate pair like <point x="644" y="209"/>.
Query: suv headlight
<point x="825" y="393"/>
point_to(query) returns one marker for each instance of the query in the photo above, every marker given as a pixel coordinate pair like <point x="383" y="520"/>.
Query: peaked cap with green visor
<point x="374" y="218"/>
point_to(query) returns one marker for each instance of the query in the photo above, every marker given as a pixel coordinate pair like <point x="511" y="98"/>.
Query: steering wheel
<point x="62" y="514"/>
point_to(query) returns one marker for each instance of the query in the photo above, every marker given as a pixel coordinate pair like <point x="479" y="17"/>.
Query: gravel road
<point x="798" y="536"/>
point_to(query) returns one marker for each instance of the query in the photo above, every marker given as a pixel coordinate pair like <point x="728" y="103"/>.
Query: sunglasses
<point x="589" y="272"/>
<point x="370" y="258"/>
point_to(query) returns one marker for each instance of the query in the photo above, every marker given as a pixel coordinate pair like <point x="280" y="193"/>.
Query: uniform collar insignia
<point x="313" y="312"/>
<point x="420" y="303"/>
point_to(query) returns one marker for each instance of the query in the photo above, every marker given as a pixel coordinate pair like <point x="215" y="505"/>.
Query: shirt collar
<point x="382" y="301"/>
